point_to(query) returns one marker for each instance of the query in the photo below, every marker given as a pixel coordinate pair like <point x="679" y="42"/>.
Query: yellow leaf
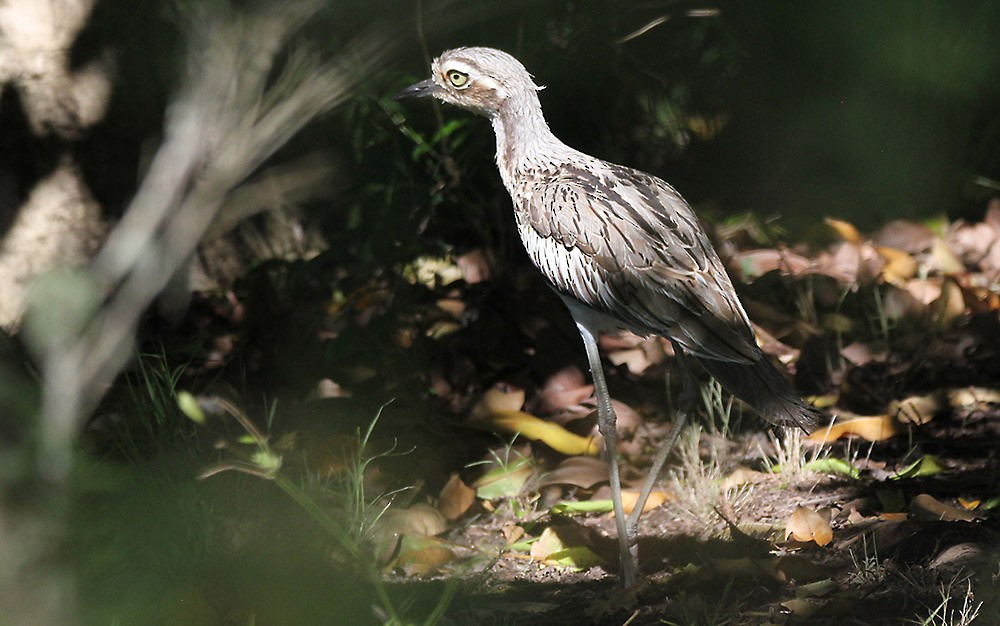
<point x="807" y="525"/>
<point x="535" y="429"/>
<point x="950" y="305"/>
<point x="845" y="230"/>
<point x="970" y="505"/>
<point x="656" y="498"/>
<point x="871" y="428"/>
<point x="944" y="260"/>
<point x="899" y="265"/>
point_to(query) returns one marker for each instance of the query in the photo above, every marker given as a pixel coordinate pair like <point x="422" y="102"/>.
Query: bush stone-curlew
<point x="622" y="249"/>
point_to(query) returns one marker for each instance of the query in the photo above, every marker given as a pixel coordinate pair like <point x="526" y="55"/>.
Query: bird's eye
<point x="457" y="79"/>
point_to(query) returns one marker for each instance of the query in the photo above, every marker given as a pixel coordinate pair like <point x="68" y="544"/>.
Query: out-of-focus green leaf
<point x="926" y="465"/>
<point x="505" y="480"/>
<point x="832" y="466"/>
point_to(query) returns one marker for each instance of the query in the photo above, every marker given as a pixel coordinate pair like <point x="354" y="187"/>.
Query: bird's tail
<point x="764" y="388"/>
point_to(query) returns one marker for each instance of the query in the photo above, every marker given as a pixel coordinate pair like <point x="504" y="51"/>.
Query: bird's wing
<point x="628" y="246"/>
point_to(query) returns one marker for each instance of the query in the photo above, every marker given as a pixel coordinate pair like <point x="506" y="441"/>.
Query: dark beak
<point x="419" y="90"/>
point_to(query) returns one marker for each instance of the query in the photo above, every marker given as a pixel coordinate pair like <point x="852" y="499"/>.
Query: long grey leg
<point x="607" y="425"/>
<point x="684" y="404"/>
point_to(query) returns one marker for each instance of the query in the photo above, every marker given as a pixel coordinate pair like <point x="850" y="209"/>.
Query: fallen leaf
<point x="420" y="555"/>
<point x="803" y="608"/>
<point x="579" y="471"/>
<point x="394" y="524"/>
<point x="927" y="465"/>
<point x="754" y="263"/>
<point x="581" y="507"/>
<point x="845" y="230"/>
<point x="924" y="290"/>
<point x="781" y="569"/>
<point x="431" y="271"/>
<point x="971" y="242"/>
<point x="454" y="307"/>
<point x="899" y="266"/>
<point x="927" y="507"/>
<point x="601" y="502"/>
<point x="950" y="305"/>
<point x="806" y="525"/>
<point x="656" y="498"/>
<point x="504" y="480"/>
<point x="970" y="504"/>
<point x="917" y="409"/>
<point x="910" y="237"/>
<point x="499" y="397"/>
<point x="898" y="304"/>
<point x="870" y="428"/>
<point x="567" y="387"/>
<point x="456" y="497"/>
<point x="442" y="328"/>
<point x="566" y="547"/>
<point x="968" y="397"/>
<point x="832" y="465"/>
<point x="943" y="259"/>
<point x="535" y="429"/>
<point x="475" y="266"/>
<point x="742" y="476"/>
<point x="634" y="359"/>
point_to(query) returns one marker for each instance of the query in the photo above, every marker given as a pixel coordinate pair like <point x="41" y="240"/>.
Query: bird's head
<point x="482" y="80"/>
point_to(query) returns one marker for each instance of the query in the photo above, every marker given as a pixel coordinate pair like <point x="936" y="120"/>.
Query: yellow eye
<point x="457" y="79"/>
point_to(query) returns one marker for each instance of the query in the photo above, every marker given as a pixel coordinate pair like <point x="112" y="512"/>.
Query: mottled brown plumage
<point x="622" y="249"/>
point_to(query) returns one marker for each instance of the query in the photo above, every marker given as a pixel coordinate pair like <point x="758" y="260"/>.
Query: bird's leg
<point x="685" y="403"/>
<point x="607" y="425"/>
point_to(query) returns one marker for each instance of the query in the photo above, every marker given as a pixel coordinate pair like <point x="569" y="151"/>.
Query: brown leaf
<point x="972" y="242"/>
<point x="454" y="307"/>
<point x="754" y="263"/>
<point x="579" y="471"/>
<point x="806" y="525"/>
<point x="742" y="476"/>
<point x="420" y="519"/>
<point x="456" y="497"/>
<point x="475" y="266"/>
<point x="925" y="290"/>
<point x="567" y="387"/>
<point x="898" y="304"/>
<point x="909" y="237"/>
<point x="421" y="555"/>
<point x="927" y="507"/>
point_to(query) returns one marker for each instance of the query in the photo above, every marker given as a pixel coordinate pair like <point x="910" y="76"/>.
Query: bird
<point x="623" y="250"/>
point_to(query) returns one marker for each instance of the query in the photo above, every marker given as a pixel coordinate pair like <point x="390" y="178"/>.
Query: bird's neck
<point x="524" y="140"/>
